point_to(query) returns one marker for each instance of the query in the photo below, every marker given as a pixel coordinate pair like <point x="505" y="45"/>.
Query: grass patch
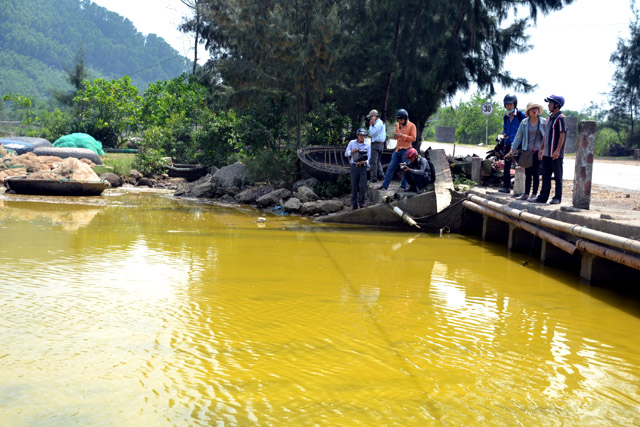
<point x="118" y="163"/>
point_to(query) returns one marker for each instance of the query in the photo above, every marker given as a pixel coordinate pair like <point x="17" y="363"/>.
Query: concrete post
<point x="636" y="154"/>
<point x="494" y="230"/>
<point x="476" y="169"/>
<point x="518" y="183"/>
<point x="584" y="164"/>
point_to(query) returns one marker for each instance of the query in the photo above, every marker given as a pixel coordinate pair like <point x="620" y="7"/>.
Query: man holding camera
<point x="358" y="153"/>
<point x="417" y="171"/>
<point x="405" y="135"/>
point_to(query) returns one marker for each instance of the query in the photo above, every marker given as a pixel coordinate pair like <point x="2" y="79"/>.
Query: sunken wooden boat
<point x="187" y="171"/>
<point x="328" y="162"/>
<point x="439" y="208"/>
<point x="54" y="187"/>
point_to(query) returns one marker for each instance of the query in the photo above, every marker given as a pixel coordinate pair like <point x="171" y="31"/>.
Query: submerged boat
<point x="437" y="209"/>
<point x="53" y="187"/>
<point x="328" y="162"/>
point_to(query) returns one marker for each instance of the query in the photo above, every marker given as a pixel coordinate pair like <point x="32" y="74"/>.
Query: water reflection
<point x="67" y="215"/>
<point x="191" y="314"/>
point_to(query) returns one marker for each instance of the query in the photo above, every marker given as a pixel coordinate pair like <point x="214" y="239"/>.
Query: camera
<point x="404" y="165"/>
<point x="360" y="156"/>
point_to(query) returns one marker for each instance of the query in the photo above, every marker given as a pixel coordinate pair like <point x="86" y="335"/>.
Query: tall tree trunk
<point x="298" y="131"/>
<point x="195" y="47"/>
<point x="387" y="88"/>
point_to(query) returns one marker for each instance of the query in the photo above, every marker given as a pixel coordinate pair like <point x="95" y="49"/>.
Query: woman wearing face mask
<point x="512" y="121"/>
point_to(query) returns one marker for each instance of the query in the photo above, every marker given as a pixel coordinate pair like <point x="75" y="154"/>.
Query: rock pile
<point x="230" y="184"/>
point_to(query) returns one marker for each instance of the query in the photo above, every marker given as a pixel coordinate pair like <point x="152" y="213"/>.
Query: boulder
<point x="321" y="207"/>
<point x="202" y="188"/>
<point x="113" y="179"/>
<point x="146" y="182"/>
<point x="235" y="175"/>
<point x="273" y="197"/>
<point x="309" y="182"/>
<point x="306" y="194"/>
<point x="292" y="205"/>
<point x="135" y="174"/>
<point x="251" y="194"/>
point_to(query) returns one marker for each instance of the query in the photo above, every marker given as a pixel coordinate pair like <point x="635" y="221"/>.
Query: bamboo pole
<point x="536" y="231"/>
<point x="608" y="253"/>
<point x="573" y="229"/>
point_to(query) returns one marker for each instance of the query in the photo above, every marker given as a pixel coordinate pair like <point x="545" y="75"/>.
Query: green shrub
<point x="337" y="188"/>
<point x="326" y="127"/>
<point x="150" y="157"/>
<point x="217" y="141"/>
<point x="271" y="166"/>
<point x="604" y="138"/>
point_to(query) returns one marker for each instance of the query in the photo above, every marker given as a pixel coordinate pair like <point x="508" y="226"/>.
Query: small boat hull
<point x="328" y="162"/>
<point x="49" y="187"/>
<point x="189" y="172"/>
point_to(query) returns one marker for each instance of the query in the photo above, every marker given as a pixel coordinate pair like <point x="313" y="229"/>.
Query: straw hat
<point x="532" y="105"/>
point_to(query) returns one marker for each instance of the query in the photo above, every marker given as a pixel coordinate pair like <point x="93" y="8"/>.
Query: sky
<point x="569" y="56"/>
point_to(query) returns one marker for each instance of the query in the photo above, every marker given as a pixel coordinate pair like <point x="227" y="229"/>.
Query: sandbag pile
<point x="47" y="167"/>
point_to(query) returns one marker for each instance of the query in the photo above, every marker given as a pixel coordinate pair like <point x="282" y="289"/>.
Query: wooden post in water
<point x="584" y="164"/>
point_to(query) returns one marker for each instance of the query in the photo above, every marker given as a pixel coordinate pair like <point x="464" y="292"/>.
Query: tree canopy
<point x="363" y="54"/>
<point x="624" y="96"/>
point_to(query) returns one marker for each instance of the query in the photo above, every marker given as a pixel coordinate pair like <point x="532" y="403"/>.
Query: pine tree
<point x="624" y="96"/>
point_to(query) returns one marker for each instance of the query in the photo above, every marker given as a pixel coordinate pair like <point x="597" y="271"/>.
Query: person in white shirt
<point x="358" y="153"/>
<point x="378" y="134"/>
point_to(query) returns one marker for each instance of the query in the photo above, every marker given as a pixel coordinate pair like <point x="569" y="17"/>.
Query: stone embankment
<point x="230" y="184"/>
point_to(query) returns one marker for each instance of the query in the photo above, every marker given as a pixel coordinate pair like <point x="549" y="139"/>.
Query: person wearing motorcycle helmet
<point x="358" y="152"/>
<point x="405" y="135"/>
<point x="552" y="151"/>
<point x="510" y="127"/>
<point x="416" y="171"/>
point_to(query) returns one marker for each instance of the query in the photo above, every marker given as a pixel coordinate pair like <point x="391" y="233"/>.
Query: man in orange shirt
<point x="404" y="135"/>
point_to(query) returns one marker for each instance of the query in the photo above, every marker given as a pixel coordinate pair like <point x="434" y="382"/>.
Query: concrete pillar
<point x="494" y="230"/>
<point x="584" y="164"/>
<point x="476" y="169"/>
<point x="522" y="241"/>
<point x="472" y="223"/>
<point x="636" y="154"/>
<point x="595" y="270"/>
<point x="552" y="256"/>
<point x="518" y="183"/>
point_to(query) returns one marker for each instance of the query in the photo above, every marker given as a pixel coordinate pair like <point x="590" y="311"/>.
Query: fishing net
<point x="80" y="140"/>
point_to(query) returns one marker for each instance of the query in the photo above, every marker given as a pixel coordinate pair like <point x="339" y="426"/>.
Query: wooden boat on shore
<point x="328" y="162"/>
<point x="52" y="187"/>
<point x="189" y="172"/>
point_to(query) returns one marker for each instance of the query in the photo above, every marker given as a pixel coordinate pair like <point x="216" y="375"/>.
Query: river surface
<point x="138" y="309"/>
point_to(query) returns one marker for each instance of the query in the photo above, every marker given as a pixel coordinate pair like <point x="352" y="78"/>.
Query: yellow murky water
<point x="138" y="309"/>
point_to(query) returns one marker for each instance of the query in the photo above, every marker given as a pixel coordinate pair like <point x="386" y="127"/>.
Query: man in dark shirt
<point x="552" y="151"/>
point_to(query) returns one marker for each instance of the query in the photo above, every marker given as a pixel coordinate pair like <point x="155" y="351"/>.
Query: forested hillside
<point x="40" y="38"/>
